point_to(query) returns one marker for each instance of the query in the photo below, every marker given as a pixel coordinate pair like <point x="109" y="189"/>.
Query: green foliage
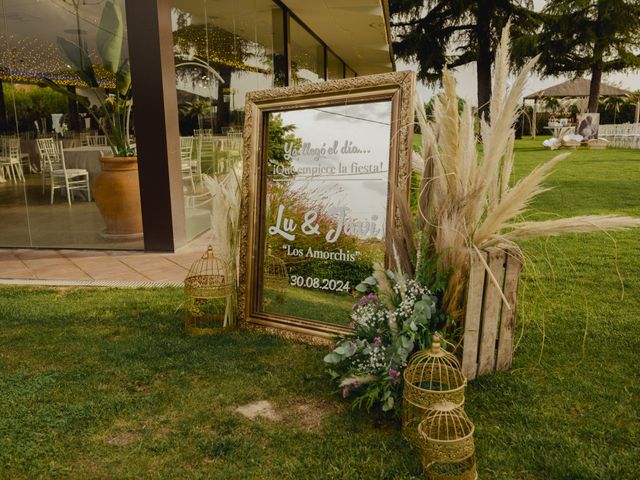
<point x="109" y="37"/>
<point x="315" y="304"/>
<point x="196" y="108"/>
<point x="395" y="317"/>
<point x="428" y="107"/>
<point x="552" y="103"/>
<point x="427" y="268"/>
<point x="103" y="384"/>
<point x="440" y="34"/>
<point x="350" y="272"/>
<point x="279" y="134"/>
<point x="590" y="36"/>
<point x="617" y="110"/>
<point x="32" y="104"/>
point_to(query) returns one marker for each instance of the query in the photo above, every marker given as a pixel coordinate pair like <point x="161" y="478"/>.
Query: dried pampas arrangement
<point x="225" y="219"/>
<point x="465" y="201"/>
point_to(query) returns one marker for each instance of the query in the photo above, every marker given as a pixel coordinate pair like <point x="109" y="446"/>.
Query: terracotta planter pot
<point x="117" y="194"/>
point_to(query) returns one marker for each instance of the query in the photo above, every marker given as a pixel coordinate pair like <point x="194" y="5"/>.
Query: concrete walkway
<point x="96" y="267"/>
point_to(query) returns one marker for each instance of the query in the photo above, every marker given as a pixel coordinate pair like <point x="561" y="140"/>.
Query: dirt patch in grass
<point x="260" y="409"/>
<point x="300" y="413"/>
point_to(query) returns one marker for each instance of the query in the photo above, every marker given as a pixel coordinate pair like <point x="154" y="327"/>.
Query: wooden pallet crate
<point x="489" y="325"/>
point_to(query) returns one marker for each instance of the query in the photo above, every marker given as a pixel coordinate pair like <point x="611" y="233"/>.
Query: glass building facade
<point x="209" y="54"/>
<point x="35" y="210"/>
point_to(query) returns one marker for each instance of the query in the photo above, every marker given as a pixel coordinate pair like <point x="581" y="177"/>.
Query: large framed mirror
<point x="323" y="166"/>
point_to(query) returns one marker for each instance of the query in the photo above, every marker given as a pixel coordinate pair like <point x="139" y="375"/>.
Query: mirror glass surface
<point x="324" y="208"/>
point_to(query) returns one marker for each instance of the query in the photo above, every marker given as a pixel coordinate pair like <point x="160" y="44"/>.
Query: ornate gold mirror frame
<point x="396" y="88"/>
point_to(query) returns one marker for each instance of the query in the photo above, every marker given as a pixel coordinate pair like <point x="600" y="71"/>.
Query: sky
<point x="466" y="78"/>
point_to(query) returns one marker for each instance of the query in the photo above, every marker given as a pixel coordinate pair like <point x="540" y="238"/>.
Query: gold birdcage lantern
<point x="276" y="277"/>
<point x="432" y="376"/>
<point x="208" y="295"/>
<point x="446" y="443"/>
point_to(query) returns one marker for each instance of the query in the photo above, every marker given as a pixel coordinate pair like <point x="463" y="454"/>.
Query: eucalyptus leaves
<point x="395" y="316"/>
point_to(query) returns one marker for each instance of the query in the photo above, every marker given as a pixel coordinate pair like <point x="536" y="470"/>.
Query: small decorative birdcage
<point x="208" y="295"/>
<point x="431" y="376"/>
<point x="446" y="443"/>
<point x="276" y="277"/>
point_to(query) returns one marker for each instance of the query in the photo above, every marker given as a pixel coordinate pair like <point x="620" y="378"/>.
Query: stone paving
<point x="99" y="265"/>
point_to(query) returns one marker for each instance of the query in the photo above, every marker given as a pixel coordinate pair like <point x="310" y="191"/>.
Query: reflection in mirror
<point x="326" y="198"/>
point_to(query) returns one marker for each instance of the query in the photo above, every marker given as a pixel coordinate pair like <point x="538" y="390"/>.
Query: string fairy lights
<point x="29" y="60"/>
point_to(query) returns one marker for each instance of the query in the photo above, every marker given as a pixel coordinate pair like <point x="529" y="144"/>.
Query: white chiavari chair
<point x="69" y="180"/>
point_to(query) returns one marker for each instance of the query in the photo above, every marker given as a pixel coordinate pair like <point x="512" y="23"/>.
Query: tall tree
<point x="594" y="36"/>
<point x="448" y="33"/>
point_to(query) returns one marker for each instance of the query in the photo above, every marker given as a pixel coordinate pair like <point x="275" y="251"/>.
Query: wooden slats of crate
<point x="489" y="323"/>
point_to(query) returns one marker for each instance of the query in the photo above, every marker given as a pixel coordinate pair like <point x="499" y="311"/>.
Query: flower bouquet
<point x="395" y="316"/>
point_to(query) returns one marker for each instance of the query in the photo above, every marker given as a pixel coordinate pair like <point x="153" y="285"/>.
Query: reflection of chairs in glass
<point x="25" y="158"/>
<point x="46" y="148"/>
<point x="198" y="132"/>
<point x="186" y="159"/>
<point x="230" y="149"/>
<point x="96" y="141"/>
<point x="234" y="141"/>
<point x="205" y="150"/>
<point x="10" y="159"/>
<point x="83" y="138"/>
<point x="63" y="178"/>
<point x="276" y="277"/>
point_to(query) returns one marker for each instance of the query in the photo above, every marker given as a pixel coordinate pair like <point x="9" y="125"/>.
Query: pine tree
<point x="448" y="33"/>
<point x="594" y="36"/>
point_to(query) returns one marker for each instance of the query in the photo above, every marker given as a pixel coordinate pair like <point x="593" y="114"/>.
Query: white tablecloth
<point x="87" y="158"/>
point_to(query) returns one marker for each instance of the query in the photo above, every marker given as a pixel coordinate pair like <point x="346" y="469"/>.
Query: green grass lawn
<point x="311" y="304"/>
<point x="102" y="383"/>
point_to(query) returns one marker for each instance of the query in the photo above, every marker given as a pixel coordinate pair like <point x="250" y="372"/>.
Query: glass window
<point x="223" y="50"/>
<point x="335" y="67"/>
<point x="307" y="55"/>
<point x="44" y="41"/>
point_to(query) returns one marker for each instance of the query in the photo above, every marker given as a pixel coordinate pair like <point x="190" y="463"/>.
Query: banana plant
<point x="115" y="106"/>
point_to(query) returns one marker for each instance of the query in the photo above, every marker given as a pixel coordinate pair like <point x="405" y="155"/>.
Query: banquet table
<point x="29" y="146"/>
<point x="87" y="158"/>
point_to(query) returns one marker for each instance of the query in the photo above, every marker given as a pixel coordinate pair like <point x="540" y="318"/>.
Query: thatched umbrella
<point x="576" y="88"/>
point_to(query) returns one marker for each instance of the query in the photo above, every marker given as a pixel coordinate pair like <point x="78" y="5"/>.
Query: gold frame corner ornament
<point x="396" y="87"/>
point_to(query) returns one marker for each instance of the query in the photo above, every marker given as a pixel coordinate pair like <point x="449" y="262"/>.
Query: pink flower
<point x="394" y="373"/>
<point x="377" y="341"/>
<point x="345" y="391"/>
<point x="372" y="297"/>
